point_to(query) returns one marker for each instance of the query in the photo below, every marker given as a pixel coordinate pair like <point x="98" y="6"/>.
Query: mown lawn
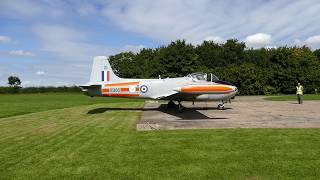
<point x="293" y="97"/>
<point x="13" y="104"/>
<point x="100" y="142"/>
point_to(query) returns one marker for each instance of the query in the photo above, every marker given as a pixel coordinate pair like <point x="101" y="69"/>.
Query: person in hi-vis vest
<point x="300" y="93"/>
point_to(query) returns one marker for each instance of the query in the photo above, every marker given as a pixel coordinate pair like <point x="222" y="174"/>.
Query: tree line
<point x="253" y="71"/>
<point x="14" y="83"/>
<point x="41" y="89"/>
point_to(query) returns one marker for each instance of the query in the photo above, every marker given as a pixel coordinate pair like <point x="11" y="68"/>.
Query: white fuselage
<point x="179" y="89"/>
<point x="194" y="87"/>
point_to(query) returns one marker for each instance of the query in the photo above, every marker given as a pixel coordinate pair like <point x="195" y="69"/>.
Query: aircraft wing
<point x="166" y="96"/>
<point x="175" y="96"/>
<point x="87" y="86"/>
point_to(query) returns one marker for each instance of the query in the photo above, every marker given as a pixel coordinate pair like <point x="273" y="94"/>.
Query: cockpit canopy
<point x="199" y="76"/>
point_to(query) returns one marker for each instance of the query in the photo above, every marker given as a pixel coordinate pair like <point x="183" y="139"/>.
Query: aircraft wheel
<point x="180" y="108"/>
<point x="221" y="106"/>
<point x="171" y="105"/>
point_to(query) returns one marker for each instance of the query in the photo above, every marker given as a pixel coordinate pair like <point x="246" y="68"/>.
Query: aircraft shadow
<point x="189" y="113"/>
<point x="102" y="110"/>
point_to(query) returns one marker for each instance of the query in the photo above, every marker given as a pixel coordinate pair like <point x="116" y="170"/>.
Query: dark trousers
<point x="300" y="98"/>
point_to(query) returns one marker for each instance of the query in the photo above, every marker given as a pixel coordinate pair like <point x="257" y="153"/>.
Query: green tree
<point x="124" y="65"/>
<point x="233" y="52"/>
<point x="209" y="55"/>
<point x="147" y="66"/>
<point x="253" y="71"/>
<point x="317" y="53"/>
<point x="249" y="79"/>
<point x="177" y="59"/>
<point x="14" y="81"/>
<point x="260" y="57"/>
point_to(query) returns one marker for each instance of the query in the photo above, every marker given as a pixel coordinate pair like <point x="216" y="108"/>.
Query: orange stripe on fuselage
<point x="121" y="84"/>
<point x="106" y="90"/>
<point x="205" y="89"/>
<point x="120" y="95"/>
<point x="124" y="89"/>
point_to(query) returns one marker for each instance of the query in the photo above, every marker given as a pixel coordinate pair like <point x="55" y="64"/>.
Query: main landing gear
<point x="180" y="107"/>
<point x="171" y="105"/>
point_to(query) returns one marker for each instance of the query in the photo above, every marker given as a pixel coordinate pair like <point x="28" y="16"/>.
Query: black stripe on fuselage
<point x="223" y="82"/>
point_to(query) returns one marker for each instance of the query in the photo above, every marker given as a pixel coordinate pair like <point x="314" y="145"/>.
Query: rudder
<point x="102" y="71"/>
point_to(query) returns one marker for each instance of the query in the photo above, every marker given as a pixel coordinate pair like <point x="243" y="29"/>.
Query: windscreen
<point x="198" y="76"/>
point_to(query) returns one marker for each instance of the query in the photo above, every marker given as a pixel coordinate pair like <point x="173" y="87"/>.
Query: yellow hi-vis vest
<point x="299" y="89"/>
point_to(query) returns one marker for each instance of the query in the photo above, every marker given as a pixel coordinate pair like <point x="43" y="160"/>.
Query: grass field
<point x="28" y="103"/>
<point x="99" y="141"/>
<point x="293" y="97"/>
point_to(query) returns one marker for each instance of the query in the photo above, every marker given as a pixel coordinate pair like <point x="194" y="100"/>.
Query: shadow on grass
<point x="189" y="113"/>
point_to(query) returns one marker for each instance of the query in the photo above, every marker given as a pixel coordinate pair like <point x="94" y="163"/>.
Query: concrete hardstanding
<point x="245" y="112"/>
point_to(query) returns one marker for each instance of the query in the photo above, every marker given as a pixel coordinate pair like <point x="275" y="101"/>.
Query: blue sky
<point x="52" y="42"/>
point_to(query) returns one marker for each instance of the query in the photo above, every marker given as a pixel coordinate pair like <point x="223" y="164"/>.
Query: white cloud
<point x="132" y="48"/>
<point x="60" y="83"/>
<point x="86" y="9"/>
<point x="4" y="39"/>
<point x="70" y="51"/>
<point x="258" y="40"/>
<point x="297" y="42"/>
<point x="270" y="47"/>
<point x="26" y="83"/>
<point x="24" y="9"/>
<point x="20" y="53"/>
<point x="19" y="7"/>
<point x="68" y="43"/>
<point x="216" y="39"/>
<point x="195" y="20"/>
<point x="313" y="40"/>
<point x="40" y="73"/>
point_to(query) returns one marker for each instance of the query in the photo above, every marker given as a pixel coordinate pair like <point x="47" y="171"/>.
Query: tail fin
<point x="102" y="71"/>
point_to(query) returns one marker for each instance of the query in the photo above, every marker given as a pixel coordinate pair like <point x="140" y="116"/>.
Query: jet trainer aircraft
<point x="193" y="87"/>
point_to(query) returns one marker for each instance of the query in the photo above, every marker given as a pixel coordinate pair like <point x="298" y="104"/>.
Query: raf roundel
<point x="143" y="88"/>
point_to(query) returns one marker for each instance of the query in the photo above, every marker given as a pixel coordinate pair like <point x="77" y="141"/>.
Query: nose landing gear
<point x="221" y="106"/>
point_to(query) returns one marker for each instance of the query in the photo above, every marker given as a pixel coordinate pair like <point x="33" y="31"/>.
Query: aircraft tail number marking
<point x="125" y="89"/>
